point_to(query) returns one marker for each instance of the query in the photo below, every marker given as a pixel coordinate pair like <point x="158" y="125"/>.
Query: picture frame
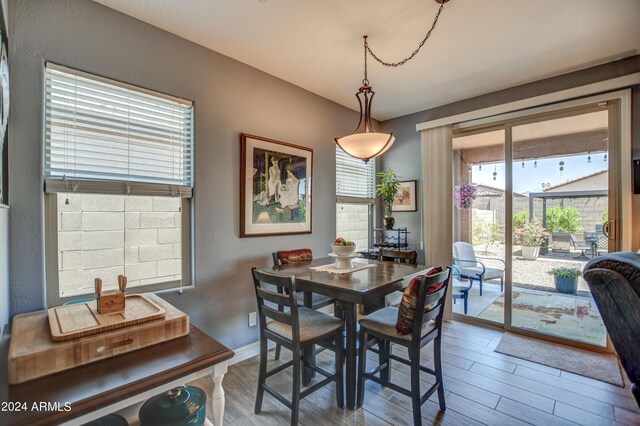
<point x="406" y="198"/>
<point x="275" y="187"/>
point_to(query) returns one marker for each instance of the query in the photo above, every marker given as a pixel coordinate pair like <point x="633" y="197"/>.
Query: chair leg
<point x="383" y="357"/>
<point x="261" y="375"/>
<point x="339" y="369"/>
<point x="502" y="284"/>
<point x="362" y="367"/>
<point x="437" y="360"/>
<point x="415" y="386"/>
<point x="480" y="281"/>
<point x="295" y="392"/>
<point x="466" y="301"/>
<point x="278" y="348"/>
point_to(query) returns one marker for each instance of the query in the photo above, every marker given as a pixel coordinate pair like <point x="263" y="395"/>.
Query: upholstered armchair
<point x="614" y="281"/>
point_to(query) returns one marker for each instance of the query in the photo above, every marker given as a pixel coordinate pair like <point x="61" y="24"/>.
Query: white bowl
<point x="341" y="250"/>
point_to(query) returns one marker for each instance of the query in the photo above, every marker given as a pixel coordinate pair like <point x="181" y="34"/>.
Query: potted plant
<point x="531" y="236"/>
<point x="566" y="279"/>
<point x="464" y="195"/>
<point x="387" y="189"/>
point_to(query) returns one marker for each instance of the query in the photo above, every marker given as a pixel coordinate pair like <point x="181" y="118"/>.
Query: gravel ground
<point x="534" y="274"/>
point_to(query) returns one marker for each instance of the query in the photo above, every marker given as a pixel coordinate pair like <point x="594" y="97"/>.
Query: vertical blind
<point x="99" y="130"/>
<point x="354" y="177"/>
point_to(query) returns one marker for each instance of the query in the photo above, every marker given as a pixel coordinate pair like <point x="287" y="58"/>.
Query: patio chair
<point x="460" y="288"/>
<point x="464" y="257"/>
<point x="581" y="245"/>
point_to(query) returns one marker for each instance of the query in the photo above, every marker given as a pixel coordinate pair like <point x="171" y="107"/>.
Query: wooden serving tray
<point x="33" y="353"/>
<point x="83" y="319"/>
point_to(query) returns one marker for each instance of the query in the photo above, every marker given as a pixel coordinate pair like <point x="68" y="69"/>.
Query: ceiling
<point x="479" y="46"/>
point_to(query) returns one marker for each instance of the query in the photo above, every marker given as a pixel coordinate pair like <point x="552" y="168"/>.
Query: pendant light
<point x="365" y="142"/>
<point x="589" y="157"/>
<point x="535" y="163"/>
<point x="523" y="163"/>
<point x="495" y="172"/>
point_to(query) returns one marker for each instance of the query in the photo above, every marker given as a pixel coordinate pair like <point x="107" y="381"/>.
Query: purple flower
<point x="464" y="195"/>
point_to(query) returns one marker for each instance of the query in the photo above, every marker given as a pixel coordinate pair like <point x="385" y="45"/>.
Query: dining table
<point x="348" y="289"/>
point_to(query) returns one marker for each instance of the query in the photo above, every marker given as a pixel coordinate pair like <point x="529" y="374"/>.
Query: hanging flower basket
<point x="464" y="196"/>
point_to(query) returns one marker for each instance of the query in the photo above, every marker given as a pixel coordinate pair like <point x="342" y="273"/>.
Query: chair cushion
<point x="312" y="325"/>
<point x="406" y="312"/>
<point x="489" y="273"/>
<point x="295" y="256"/>
<point x="384" y="322"/>
<point x="459" y="285"/>
<point x="463" y="251"/>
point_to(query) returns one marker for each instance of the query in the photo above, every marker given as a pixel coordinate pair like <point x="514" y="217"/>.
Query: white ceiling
<point x="479" y="46"/>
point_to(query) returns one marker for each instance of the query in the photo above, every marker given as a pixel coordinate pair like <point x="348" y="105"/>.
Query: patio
<point x="536" y="304"/>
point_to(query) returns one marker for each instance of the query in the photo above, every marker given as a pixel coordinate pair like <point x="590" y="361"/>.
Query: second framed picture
<point x="405" y="200"/>
<point x="275" y="187"/>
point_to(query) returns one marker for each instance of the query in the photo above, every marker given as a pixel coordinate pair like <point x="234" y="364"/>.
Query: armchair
<point x="465" y="259"/>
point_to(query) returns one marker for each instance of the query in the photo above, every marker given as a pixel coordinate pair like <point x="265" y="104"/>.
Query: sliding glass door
<point x="534" y="201"/>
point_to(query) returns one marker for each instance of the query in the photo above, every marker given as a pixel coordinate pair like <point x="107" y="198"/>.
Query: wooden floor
<point x="481" y="387"/>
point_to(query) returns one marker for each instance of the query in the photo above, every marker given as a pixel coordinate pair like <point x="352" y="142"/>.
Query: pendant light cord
<point x="408" y="58"/>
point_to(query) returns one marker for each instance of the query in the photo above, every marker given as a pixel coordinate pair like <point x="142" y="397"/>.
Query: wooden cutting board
<point x="83" y="319"/>
<point x="33" y="353"/>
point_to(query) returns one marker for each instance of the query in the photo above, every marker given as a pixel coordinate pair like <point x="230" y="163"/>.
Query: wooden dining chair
<point x="408" y="257"/>
<point x="426" y="326"/>
<point x="297" y="256"/>
<point x="295" y="328"/>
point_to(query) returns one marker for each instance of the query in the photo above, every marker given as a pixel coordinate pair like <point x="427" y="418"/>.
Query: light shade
<point x="366" y="145"/>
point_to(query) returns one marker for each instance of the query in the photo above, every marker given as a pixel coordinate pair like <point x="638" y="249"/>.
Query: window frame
<point x="53" y="186"/>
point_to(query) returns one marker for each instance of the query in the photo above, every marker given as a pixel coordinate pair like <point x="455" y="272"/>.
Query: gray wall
<point x="405" y="158"/>
<point x="230" y="98"/>
<point x="4" y="267"/>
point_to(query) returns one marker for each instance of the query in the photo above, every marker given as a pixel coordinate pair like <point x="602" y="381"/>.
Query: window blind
<point x="354" y="177"/>
<point x="99" y="131"/>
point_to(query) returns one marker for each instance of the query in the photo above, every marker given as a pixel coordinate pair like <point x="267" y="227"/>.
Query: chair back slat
<point x="276" y="315"/>
<point x="399" y="256"/>
<point x="294" y="256"/>
<point x="273" y="297"/>
<point x="436" y="312"/>
<point x="284" y="300"/>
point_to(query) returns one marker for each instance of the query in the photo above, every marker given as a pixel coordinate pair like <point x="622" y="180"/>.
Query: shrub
<point x="520" y="218"/>
<point x="485" y="233"/>
<point x="563" y="219"/>
<point x="532" y="234"/>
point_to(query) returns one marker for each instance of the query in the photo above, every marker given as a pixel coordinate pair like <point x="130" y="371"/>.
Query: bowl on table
<point x="340" y="250"/>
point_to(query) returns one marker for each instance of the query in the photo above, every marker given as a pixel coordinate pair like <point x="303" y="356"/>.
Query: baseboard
<point x="248" y="351"/>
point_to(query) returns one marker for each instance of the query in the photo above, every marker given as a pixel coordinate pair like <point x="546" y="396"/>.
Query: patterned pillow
<point x="407" y="308"/>
<point x="295" y="256"/>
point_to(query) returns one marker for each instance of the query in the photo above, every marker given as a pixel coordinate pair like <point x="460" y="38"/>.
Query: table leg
<point x="217" y="397"/>
<point x="351" y="355"/>
<point x="309" y="353"/>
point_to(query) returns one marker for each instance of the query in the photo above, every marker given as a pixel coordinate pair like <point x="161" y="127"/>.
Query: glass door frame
<point x="620" y="211"/>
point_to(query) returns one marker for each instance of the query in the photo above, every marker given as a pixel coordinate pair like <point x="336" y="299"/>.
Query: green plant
<point x="565" y="272"/>
<point x="605" y="216"/>
<point x="532" y="234"/>
<point x="563" y="219"/>
<point x="387" y="188"/>
<point x="485" y="233"/>
<point x="520" y="218"/>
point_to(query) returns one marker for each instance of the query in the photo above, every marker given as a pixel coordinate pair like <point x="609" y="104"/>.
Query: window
<point x="355" y="198"/>
<point x="118" y="183"/>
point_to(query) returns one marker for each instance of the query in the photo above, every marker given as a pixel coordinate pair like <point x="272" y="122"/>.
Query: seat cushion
<point x="475" y="271"/>
<point x="384" y="322"/>
<point x="460" y="285"/>
<point x="409" y="301"/>
<point x="312" y="325"/>
<point x="295" y="256"/>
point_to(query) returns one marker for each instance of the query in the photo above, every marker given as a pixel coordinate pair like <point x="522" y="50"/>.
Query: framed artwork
<point x="275" y="187"/>
<point x="4" y="111"/>
<point x="405" y="199"/>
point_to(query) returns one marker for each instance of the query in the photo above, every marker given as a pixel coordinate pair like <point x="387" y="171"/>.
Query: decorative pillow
<point x="407" y="309"/>
<point x="295" y="256"/>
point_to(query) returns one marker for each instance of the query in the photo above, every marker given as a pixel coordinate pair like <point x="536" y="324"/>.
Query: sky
<point x="531" y="179"/>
